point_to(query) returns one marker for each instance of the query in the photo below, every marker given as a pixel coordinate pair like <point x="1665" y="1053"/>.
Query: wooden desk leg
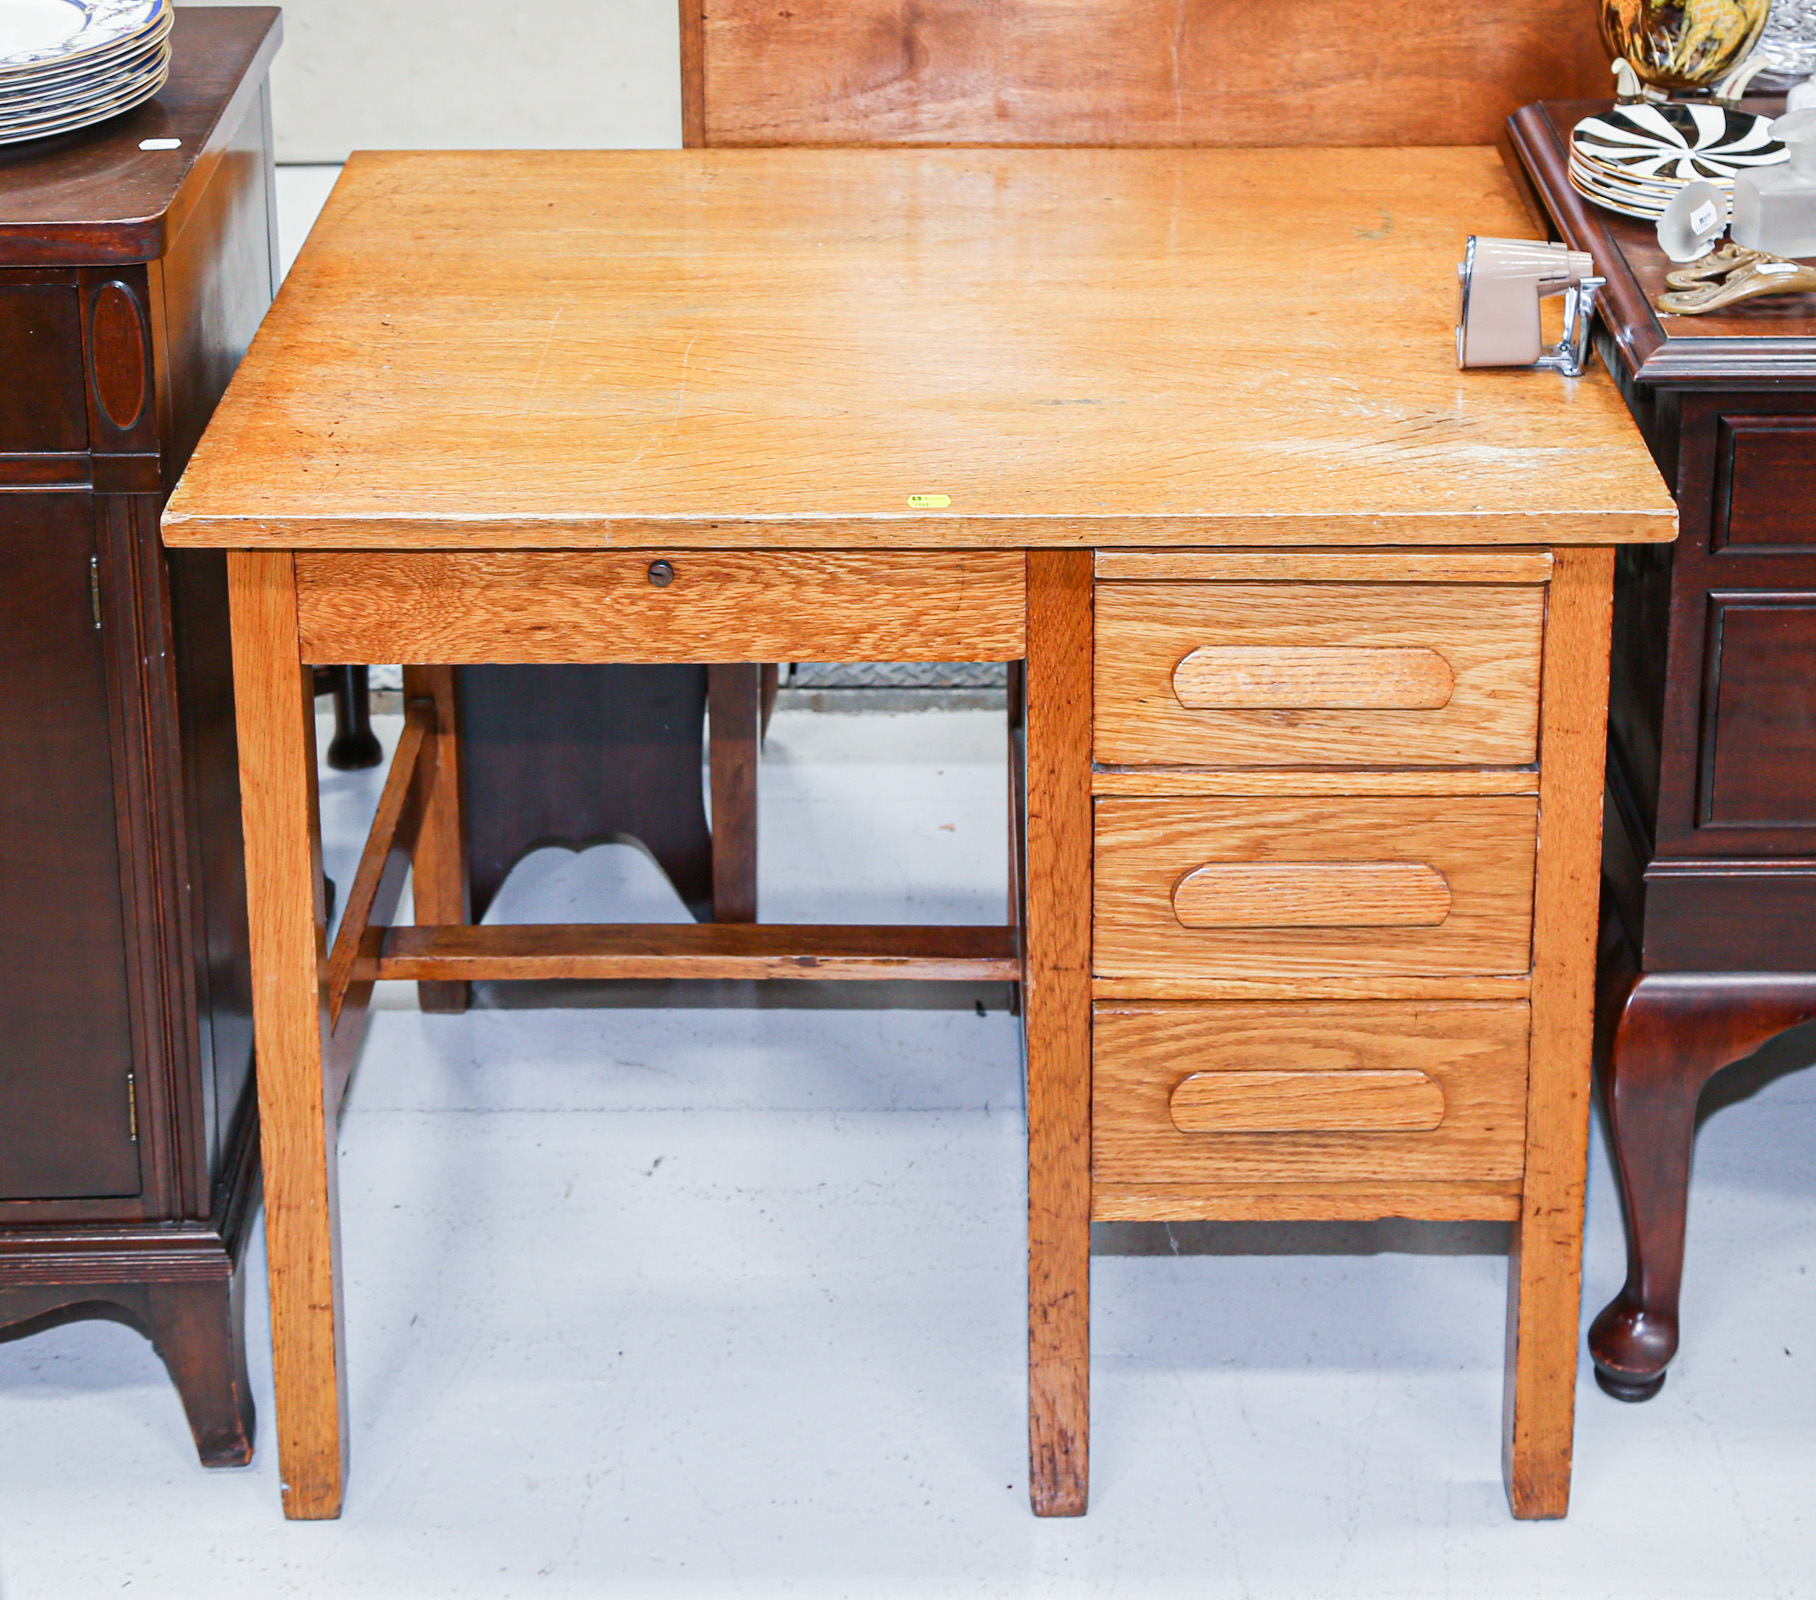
<point x="1056" y="1023"/>
<point x="286" y="909"/>
<point x="438" y="866"/>
<point x="1544" y="1277"/>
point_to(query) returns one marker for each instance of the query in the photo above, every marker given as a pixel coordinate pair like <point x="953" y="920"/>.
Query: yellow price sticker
<point x="929" y="502"/>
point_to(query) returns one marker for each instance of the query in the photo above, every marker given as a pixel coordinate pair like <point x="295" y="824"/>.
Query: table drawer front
<point x="656" y="606"/>
<point x="1342" y="1092"/>
<point x="1243" y="674"/>
<point x="1217" y="889"/>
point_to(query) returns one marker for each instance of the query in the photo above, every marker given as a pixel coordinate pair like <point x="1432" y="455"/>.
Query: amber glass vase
<point x="1683" y="44"/>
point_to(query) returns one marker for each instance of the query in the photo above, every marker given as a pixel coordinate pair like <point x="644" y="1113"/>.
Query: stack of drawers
<point x="1316" y="817"/>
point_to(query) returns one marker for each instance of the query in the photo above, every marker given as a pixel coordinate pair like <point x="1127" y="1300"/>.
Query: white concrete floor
<point x="727" y="1299"/>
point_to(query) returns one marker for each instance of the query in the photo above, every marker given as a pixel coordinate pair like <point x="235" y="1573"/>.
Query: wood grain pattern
<point x="1359" y="1100"/>
<point x="1299" y="1202"/>
<point x="1482" y="846"/>
<point x="440" y="887"/>
<point x="760" y="605"/>
<point x="1476" y="1053"/>
<point x="1313" y="678"/>
<point x="1179" y="781"/>
<point x="1486" y="639"/>
<point x="1133" y="71"/>
<point x="1312" y="894"/>
<point x="1545" y="1275"/>
<point x="980" y="954"/>
<point x="1330" y="986"/>
<point x="1056" y="1022"/>
<point x="378" y="880"/>
<point x="1326" y="566"/>
<point x="274" y="702"/>
<point x="769" y="348"/>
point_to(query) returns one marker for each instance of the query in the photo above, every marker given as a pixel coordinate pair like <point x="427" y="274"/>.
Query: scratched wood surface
<point x="728" y="348"/>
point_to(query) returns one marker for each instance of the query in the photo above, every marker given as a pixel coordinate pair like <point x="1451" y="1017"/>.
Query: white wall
<point x="475" y="74"/>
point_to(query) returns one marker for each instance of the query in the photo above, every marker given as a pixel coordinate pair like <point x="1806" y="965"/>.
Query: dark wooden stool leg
<point x="199" y="1328"/>
<point x="735" y="717"/>
<point x="1676" y="1031"/>
<point x="354" y="744"/>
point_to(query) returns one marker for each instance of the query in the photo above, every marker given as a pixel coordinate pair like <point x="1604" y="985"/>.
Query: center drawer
<point x="1222" y="889"/>
<point x="1317" y="674"/>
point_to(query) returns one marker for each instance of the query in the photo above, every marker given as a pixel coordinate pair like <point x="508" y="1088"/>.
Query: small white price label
<point x="1704" y="216"/>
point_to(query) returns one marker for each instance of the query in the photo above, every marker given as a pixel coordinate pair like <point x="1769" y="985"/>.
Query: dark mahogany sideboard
<point x="1709" y="941"/>
<point x="131" y="281"/>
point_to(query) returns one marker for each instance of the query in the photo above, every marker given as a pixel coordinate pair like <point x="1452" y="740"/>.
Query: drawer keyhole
<point x="661" y="573"/>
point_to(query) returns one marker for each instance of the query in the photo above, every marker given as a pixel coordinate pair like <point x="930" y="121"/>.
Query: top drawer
<point x="42" y="406"/>
<point x="1317" y="674"/>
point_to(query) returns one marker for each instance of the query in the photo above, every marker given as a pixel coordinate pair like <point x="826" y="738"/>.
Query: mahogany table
<point x="1314" y="632"/>
<point x="1710" y="867"/>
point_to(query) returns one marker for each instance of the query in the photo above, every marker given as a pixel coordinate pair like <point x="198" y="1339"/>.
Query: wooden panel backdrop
<point x="1118" y="72"/>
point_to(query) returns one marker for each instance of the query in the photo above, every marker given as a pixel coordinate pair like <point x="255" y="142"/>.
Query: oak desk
<point x="1343" y="712"/>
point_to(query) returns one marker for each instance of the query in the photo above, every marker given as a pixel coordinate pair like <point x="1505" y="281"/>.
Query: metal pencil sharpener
<point x="1499" y="285"/>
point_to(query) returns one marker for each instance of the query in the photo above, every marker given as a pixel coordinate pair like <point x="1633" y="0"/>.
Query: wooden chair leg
<point x="1676" y="1031"/>
<point x="771" y="687"/>
<point x="354" y="745"/>
<point x="1056" y="1024"/>
<point x="438" y="866"/>
<point x="734" y="712"/>
<point x="287" y="917"/>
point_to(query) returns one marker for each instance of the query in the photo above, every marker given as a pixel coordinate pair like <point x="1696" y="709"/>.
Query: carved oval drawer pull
<point x="1291" y="678"/>
<point x="1312" y="894"/>
<point x="1368" y="1101"/>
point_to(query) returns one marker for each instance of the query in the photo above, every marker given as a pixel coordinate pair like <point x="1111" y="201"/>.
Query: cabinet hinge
<point x="132" y="1107"/>
<point x="94" y="589"/>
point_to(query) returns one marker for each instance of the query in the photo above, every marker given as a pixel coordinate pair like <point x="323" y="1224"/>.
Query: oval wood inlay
<point x="1313" y="678"/>
<point x="116" y="344"/>
<point x="1367" y="1101"/>
<point x="1312" y="894"/>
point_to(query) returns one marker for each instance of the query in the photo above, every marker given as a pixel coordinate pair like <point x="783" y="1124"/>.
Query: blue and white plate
<point x="65" y="64"/>
<point x="39" y="34"/>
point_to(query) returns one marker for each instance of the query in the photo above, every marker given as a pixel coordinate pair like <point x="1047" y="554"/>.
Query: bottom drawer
<point x="1341" y="1092"/>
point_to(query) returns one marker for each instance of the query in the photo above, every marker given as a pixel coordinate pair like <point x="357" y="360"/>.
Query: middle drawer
<point x="1220" y="889"/>
<point x="1317" y="674"/>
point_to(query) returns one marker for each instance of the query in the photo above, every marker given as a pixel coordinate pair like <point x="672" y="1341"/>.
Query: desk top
<point x="780" y="347"/>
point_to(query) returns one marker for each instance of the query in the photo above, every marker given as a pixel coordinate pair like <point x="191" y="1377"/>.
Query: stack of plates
<point x="67" y="63"/>
<point x="1635" y="158"/>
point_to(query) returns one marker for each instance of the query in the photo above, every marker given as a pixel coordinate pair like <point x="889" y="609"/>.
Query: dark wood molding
<point x="1697" y="351"/>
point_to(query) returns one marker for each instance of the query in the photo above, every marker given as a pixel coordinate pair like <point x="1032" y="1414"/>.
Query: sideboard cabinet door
<point x="66" y="1096"/>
